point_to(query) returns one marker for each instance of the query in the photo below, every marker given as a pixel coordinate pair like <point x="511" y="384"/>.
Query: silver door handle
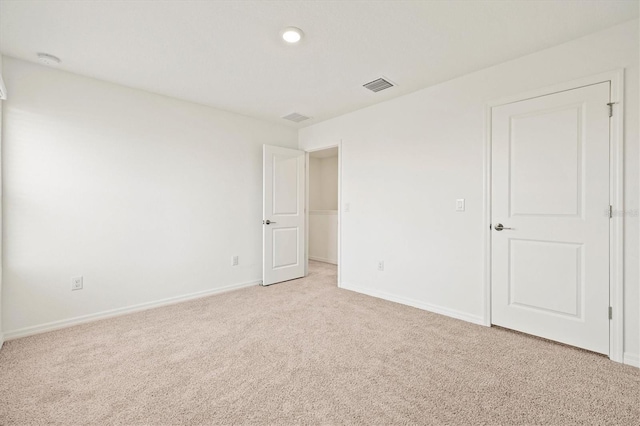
<point x="499" y="227"/>
<point x="267" y="222"/>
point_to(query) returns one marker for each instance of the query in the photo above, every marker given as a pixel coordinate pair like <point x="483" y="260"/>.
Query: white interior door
<point x="550" y="192"/>
<point x="283" y="225"/>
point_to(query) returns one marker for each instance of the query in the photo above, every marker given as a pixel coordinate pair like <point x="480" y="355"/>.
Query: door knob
<point x="499" y="227"/>
<point x="267" y="222"/>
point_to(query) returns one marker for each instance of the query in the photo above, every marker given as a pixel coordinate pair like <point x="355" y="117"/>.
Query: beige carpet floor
<point x="306" y="352"/>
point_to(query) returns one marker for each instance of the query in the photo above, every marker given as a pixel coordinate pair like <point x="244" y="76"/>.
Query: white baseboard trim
<point x="322" y="259"/>
<point x="56" y="325"/>
<point x="416" y="304"/>
<point x="632" y="359"/>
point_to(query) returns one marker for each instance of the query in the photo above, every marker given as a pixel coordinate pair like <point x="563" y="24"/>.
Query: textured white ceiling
<point x="228" y="54"/>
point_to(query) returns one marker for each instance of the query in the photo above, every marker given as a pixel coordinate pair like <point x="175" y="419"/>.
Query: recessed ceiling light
<point x="47" y="59"/>
<point x="292" y="34"/>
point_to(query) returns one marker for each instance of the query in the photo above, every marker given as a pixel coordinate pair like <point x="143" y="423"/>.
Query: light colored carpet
<point x="306" y="352"/>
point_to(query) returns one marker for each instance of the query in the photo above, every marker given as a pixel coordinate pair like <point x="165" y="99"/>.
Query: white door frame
<point x="616" y="179"/>
<point x="306" y="208"/>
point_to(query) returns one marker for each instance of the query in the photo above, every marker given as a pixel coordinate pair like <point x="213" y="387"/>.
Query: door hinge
<point x="610" y="211"/>
<point x="610" y="312"/>
<point x="611" y="104"/>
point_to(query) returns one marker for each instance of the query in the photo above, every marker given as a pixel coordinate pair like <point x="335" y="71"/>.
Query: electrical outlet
<point x="234" y="261"/>
<point x="380" y="265"/>
<point x="76" y="283"/>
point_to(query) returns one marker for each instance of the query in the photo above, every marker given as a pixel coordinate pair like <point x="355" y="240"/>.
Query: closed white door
<point x="283" y="232"/>
<point x="550" y="194"/>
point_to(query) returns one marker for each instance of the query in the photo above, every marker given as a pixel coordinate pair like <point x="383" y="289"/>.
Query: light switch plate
<point x="460" y="205"/>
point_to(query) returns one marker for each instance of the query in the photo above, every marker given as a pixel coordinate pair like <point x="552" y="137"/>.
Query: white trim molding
<point x="416" y="304"/>
<point x="616" y="239"/>
<point x="340" y="210"/>
<point x="616" y="235"/>
<point x="323" y="212"/>
<point x="324" y="260"/>
<point x="70" y="322"/>
<point x="632" y="359"/>
<point x="3" y="90"/>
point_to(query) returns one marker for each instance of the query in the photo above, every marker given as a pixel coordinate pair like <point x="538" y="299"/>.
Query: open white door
<point x="283" y="217"/>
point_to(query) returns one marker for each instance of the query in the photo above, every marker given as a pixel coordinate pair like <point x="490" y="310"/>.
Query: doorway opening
<point x="323" y="211"/>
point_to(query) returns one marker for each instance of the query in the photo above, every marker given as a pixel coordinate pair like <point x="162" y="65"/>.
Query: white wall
<point x="323" y="183"/>
<point x="405" y="161"/>
<point x="329" y="177"/>
<point x="323" y="235"/>
<point x="145" y="196"/>
<point x="315" y="184"/>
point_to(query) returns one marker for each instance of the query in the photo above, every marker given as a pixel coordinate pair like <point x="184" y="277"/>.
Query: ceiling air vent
<point x="295" y="117"/>
<point x="378" y="85"/>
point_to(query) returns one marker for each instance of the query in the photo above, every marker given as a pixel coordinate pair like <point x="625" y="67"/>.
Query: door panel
<point x="542" y="268"/>
<point x="555" y="188"/>
<point x="285" y="184"/>
<point x="285" y="247"/>
<point x="283" y="214"/>
<point x="550" y="190"/>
